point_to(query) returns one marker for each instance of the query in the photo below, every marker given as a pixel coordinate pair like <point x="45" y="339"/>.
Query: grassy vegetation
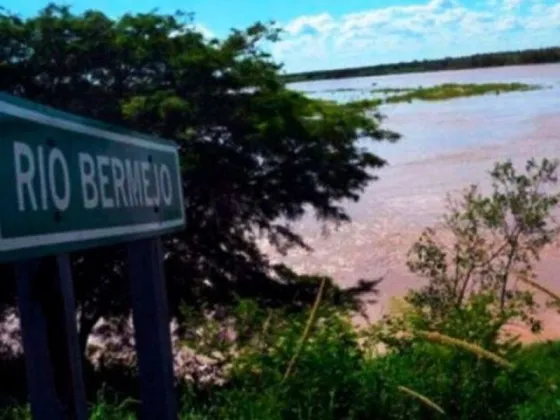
<point x="364" y="104"/>
<point x="335" y="377"/>
<point x="441" y="92"/>
<point x="454" y="90"/>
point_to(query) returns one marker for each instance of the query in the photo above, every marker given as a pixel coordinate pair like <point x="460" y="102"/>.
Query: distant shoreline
<point x="497" y="59"/>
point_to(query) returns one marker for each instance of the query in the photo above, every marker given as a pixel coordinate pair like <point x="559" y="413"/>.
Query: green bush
<point x="336" y="377"/>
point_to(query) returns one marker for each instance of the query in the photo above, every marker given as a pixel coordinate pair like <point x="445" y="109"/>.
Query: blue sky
<point x="340" y="33"/>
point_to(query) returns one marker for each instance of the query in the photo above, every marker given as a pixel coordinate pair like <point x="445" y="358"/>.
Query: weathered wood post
<point x="50" y="341"/>
<point x="70" y="183"/>
<point x="151" y="326"/>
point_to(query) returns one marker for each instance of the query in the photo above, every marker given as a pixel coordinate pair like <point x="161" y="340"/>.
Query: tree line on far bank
<point x="497" y="59"/>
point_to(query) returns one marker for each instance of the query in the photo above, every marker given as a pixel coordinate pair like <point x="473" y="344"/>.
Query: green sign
<point x="68" y="183"/>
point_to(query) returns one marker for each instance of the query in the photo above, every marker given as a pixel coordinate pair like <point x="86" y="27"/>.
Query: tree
<point x="255" y="155"/>
<point x="487" y="248"/>
<point x="450" y="332"/>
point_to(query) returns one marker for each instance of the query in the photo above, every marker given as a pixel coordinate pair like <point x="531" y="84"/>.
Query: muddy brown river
<point x="445" y="147"/>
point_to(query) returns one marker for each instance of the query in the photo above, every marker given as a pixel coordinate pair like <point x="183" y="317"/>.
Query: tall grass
<point x="425" y="400"/>
<point x="306" y="331"/>
<point x="436" y="337"/>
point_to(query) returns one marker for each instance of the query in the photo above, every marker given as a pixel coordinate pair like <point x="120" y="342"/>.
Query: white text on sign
<point x="105" y="181"/>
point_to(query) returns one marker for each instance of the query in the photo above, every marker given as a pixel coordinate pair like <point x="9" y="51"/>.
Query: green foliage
<point x="455" y="90"/>
<point x="488" y="243"/>
<point x="255" y="155"/>
<point x="222" y="336"/>
<point x="436" y="93"/>
<point x="364" y="104"/>
<point x="321" y="383"/>
<point x="16" y="413"/>
<point x="109" y="410"/>
<point x="545" y="399"/>
<point x="337" y="377"/>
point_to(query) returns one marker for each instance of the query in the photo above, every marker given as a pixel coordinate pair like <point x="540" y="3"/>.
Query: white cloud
<point x="322" y="23"/>
<point x="511" y="5"/>
<point x="204" y="30"/>
<point x="429" y="29"/>
<point x="200" y="28"/>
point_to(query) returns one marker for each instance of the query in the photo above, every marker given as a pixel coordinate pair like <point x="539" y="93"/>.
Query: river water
<point x="445" y="147"/>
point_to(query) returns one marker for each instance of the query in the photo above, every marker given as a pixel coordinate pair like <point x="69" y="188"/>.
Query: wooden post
<point x="48" y="320"/>
<point x="151" y="326"/>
